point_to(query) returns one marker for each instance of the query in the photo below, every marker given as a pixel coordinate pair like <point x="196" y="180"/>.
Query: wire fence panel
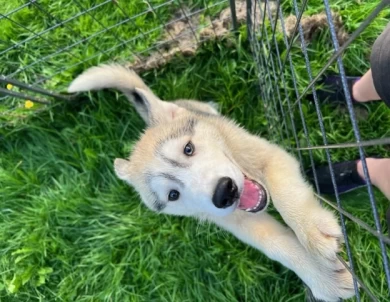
<point x="294" y="45"/>
<point x="289" y="77"/>
<point x="78" y="34"/>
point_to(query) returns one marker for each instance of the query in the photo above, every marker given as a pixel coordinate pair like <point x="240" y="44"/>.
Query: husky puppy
<point x="191" y="161"/>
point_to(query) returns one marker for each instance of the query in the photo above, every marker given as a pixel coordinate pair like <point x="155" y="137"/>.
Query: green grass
<point x="71" y="231"/>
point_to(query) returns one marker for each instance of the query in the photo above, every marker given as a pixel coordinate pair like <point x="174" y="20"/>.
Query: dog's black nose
<point x="225" y="193"/>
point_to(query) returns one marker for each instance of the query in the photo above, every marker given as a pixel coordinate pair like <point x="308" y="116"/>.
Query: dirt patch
<point x="312" y="25"/>
<point x="187" y="31"/>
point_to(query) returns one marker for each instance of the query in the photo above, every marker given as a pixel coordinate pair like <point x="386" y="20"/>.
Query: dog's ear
<point x="153" y="110"/>
<point x="123" y="169"/>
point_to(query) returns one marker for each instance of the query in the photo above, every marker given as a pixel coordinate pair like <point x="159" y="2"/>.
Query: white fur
<point x="223" y="149"/>
<point x="107" y="76"/>
<point x="208" y="165"/>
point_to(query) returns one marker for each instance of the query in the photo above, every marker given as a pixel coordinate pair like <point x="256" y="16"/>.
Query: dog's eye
<point x="189" y="149"/>
<point x="173" y="195"/>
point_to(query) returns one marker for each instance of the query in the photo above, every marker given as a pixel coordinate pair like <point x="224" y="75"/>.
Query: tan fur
<point x="308" y="247"/>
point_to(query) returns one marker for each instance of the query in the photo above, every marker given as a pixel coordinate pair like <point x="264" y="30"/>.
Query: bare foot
<point x="364" y="89"/>
<point x="379" y="170"/>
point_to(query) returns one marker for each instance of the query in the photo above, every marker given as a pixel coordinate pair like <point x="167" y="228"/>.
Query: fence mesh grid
<point x="149" y="32"/>
<point x="283" y="89"/>
<point x="281" y="105"/>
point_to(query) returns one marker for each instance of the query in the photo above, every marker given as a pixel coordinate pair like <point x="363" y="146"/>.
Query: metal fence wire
<point x="284" y="99"/>
<point x="275" y="44"/>
<point x="69" y="43"/>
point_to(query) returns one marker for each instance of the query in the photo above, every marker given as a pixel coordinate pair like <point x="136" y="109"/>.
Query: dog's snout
<point x="225" y="193"/>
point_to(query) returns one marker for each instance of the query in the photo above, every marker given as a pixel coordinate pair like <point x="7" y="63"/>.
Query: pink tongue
<point x="249" y="196"/>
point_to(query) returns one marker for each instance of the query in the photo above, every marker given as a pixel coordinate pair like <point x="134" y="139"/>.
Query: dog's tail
<point x="108" y="76"/>
<point x="147" y="104"/>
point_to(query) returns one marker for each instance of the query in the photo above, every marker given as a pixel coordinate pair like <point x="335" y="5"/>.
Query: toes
<point x="330" y="231"/>
<point x="329" y="238"/>
<point x="341" y="239"/>
<point x="325" y="247"/>
<point x="340" y="271"/>
<point x="328" y="224"/>
<point x="335" y="282"/>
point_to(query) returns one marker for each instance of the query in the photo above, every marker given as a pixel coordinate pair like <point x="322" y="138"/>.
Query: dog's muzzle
<point x="226" y="193"/>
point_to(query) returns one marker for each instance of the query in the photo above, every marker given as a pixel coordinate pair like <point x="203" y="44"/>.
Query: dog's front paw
<point x="320" y="233"/>
<point x="330" y="283"/>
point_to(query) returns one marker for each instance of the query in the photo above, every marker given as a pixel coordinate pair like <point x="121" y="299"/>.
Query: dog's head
<point x="182" y="165"/>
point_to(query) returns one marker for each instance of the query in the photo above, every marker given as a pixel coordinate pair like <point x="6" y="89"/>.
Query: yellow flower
<point x="28" y="104"/>
<point x="10" y="86"/>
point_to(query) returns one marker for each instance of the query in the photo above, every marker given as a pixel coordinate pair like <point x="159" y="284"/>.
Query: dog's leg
<point x="279" y="243"/>
<point x="316" y="228"/>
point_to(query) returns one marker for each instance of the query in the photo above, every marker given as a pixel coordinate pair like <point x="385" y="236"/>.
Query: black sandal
<point x="332" y="91"/>
<point x="347" y="179"/>
<point x="346" y="176"/>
